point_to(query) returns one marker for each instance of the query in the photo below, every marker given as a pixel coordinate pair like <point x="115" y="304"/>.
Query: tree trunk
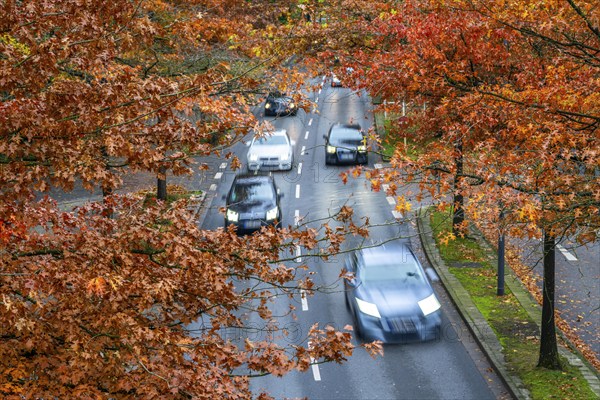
<point x="161" y="184"/>
<point x="458" y="216"/>
<point x="548" y="347"/>
<point x="107" y="191"/>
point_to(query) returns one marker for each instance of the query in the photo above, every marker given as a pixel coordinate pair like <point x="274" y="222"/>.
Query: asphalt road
<point x="449" y="368"/>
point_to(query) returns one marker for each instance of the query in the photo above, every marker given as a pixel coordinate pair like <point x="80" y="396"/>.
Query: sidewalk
<point x="479" y="327"/>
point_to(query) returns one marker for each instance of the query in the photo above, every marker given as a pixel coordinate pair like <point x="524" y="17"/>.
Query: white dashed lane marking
<point x="310" y="122"/>
<point x="315" y="368"/>
<point x="397" y="214"/>
<point x="297" y="191"/>
<point x="303" y="300"/>
<point x="223" y="165"/>
<point x="302" y="151"/>
<point x="306" y="135"/>
<point x="566" y="253"/>
<point x="218" y="175"/>
<point x="391" y="201"/>
<point x="299" y="168"/>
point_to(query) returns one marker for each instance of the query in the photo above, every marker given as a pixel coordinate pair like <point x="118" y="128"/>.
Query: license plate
<point x="346" y="156"/>
<point x="253" y="224"/>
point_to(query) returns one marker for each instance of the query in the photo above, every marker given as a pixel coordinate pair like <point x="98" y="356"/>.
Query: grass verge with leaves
<point x="516" y="331"/>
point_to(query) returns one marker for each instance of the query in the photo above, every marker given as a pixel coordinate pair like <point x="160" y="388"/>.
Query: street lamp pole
<point x="500" y="291"/>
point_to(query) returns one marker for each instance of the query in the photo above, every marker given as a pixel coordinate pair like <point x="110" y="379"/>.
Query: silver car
<point x="273" y="151"/>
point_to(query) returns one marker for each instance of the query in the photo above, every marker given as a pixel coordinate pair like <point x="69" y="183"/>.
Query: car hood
<point x="272" y="150"/>
<point x="252" y="209"/>
<point x="345" y="143"/>
<point x="394" y="300"/>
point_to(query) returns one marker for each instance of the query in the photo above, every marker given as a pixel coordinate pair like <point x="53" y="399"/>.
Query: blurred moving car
<point x="273" y="151"/>
<point x="335" y="81"/>
<point x="345" y="143"/>
<point x="252" y="202"/>
<point x="390" y="296"/>
<point x="278" y="103"/>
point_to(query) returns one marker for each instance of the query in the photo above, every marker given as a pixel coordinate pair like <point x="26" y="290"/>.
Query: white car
<point x="273" y="151"/>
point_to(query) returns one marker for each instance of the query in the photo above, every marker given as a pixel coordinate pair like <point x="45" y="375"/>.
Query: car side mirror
<point x="354" y="282"/>
<point x="293" y="142"/>
<point x="325" y="137"/>
<point x="224" y="197"/>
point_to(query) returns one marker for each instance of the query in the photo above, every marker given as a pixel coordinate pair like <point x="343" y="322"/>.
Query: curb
<point x="482" y="332"/>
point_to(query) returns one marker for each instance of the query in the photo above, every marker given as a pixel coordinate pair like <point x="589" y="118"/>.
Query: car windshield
<point x="251" y="192"/>
<point x="346" y="137"/>
<point x="401" y="274"/>
<point x="270" y="141"/>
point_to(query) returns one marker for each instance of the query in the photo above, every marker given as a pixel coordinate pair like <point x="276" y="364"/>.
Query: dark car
<point x="278" y="103"/>
<point x="345" y="143"/>
<point x="252" y="202"/>
<point x="390" y="296"/>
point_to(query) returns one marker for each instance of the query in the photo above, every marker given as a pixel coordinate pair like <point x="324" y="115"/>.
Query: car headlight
<point x="284" y="157"/>
<point x="272" y="214"/>
<point x="362" y="149"/>
<point x="252" y="157"/>
<point x="292" y="105"/>
<point x="330" y="149"/>
<point x="429" y="304"/>
<point x="268" y="105"/>
<point x="367" y="308"/>
<point x="232" y="216"/>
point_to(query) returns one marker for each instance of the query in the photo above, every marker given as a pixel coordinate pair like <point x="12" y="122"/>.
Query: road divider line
<point x="299" y="168"/>
<point x="298" y="254"/>
<point x="310" y="120"/>
<point x="302" y="151"/>
<point x="297" y="191"/>
<point x="303" y="300"/>
<point x="306" y="135"/>
<point x="296" y="217"/>
<point x="397" y="214"/>
<point x="213" y="187"/>
<point x="315" y="368"/>
<point x="223" y="165"/>
<point x="566" y="253"/>
<point x="378" y="166"/>
<point x="385" y="187"/>
<point x="391" y="201"/>
<point x="218" y="175"/>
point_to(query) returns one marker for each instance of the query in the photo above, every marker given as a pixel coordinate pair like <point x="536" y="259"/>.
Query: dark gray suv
<point x="345" y="144"/>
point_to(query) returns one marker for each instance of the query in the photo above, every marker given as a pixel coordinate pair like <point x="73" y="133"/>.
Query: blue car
<point x="390" y="295"/>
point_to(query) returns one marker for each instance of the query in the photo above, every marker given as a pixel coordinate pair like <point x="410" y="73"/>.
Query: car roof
<point x="399" y="252"/>
<point x="341" y="126"/>
<point x="246" y="178"/>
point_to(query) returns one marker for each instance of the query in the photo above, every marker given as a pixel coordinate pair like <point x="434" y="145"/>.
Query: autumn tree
<point x="136" y="305"/>
<point x="508" y="110"/>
